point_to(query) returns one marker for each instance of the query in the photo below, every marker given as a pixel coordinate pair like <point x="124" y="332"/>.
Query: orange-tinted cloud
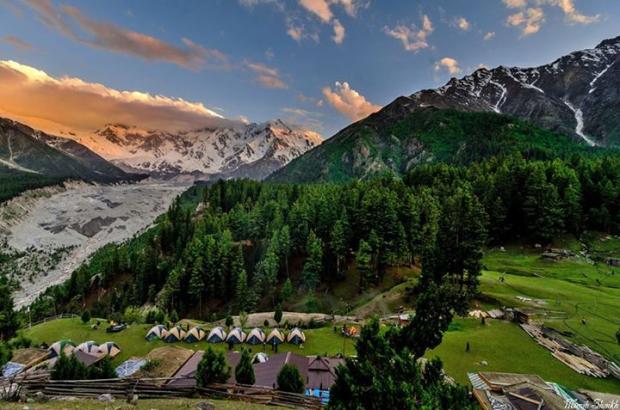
<point x="413" y="39"/>
<point x="349" y="102"/>
<point x="17" y="43"/>
<point x="268" y="77"/>
<point x="111" y="37"/>
<point x="71" y="104"/>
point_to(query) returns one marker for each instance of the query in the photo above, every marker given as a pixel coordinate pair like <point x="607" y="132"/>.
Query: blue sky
<point x="320" y="63"/>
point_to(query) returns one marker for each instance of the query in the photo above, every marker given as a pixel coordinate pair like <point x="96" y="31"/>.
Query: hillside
<point x="397" y="138"/>
<point x="27" y="150"/>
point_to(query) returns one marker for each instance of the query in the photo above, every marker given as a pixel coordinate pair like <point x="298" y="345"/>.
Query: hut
<point x="109" y="349"/>
<point x="89" y="347"/>
<point x="235" y="336"/>
<point x="255" y="337"/>
<point x="61" y="346"/>
<point x="195" y="334"/>
<point x="275" y="337"/>
<point x="296" y="336"/>
<point x="216" y="335"/>
<point x="176" y="334"/>
<point x="156" y="332"/>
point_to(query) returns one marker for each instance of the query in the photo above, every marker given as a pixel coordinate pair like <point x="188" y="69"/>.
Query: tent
<point x="216" y="335"/>
<point x="196" y="334"/>
<point x="260" y="357"/>
<point x="64" y="346"/>
<point x="296" y="336"/>
<point x="88" y="347"/>
<point x="176" y="334"/>
<point x="275" y="337"/>
<point x="156" y="332"/>
<point x="235" y="336"/>
<point x="110" y="349"/>
<point x="255" y="337"/>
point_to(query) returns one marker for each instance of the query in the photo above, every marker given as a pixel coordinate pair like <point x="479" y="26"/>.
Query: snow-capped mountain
<point x="252" y="150"/>
<point x="578" y="94"/>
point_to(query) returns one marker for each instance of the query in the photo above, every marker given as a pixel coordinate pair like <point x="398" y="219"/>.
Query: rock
<point x="205" y="405"/>
<point x="40" y="397"/>
<point x="106" y="397"/>
<point x="132" y="399"/>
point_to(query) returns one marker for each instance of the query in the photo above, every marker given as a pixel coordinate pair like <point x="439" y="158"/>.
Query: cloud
<point x="571" y="13"/>
<point x="71" y="104"/>
<point x="338" y="32"/>
<point x="529" y="20"/>
<point x="268" y="77"/>
<point x="448" y="63"/>
<point x="462" y="23"/>
<point x="531" y="16"/>
<point x="319" y="8"/>
<point x="515" y="4"/>
<point x="349" y="102"/>
<point x="489" y="35"/>
<point x="311" y="100"/>
<point x="413" y="39"/>
<point x="17" y="43"/>
<point x="111" y="37"/>
<point x="304" y="118"/>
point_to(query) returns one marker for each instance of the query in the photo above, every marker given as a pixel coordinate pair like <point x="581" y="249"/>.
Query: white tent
<point x="156" y="332"/>
<point x="176" y="334"/>
<point x="275" y="337"/>
<point x="110" y="349"/>
<point x="88" y="347"/>
<point x="260" y="357"/>
<point x="296" y="336"/>
<point x="196" y="334"/>
<point x="235" y="336"/>
<point x="61" y="346"/>
<point x="255" y="337"/>
<point x="216" y="335"/>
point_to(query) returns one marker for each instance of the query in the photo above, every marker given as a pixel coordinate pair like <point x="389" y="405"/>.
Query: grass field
<point x="321" y="341"/>
<point x="142" y="405"/>
<point x="507" y="348"/>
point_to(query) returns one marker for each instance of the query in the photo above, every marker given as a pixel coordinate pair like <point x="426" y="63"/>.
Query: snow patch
<point x="579" y="128"/>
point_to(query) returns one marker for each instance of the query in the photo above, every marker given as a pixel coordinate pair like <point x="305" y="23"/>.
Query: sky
<point x="73" y="66"/>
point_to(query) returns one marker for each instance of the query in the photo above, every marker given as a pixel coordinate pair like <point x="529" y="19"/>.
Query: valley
<point x="49" y="232"/>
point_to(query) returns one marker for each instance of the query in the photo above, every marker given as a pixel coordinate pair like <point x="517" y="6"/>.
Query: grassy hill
<point x="395" y="140"/>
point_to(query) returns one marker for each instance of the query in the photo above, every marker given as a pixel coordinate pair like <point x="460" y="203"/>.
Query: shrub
<point x="151" y="365"/>
<point x="174" y="316"/>
<point x="132" y="314"/>
<point x="86" y="316"/>
<point x="20" y="342"/>
<point x="212" y="369"/>
<point x="69" y="368"/>
<point x="277" y="315"/>
<point x="5" y="353"/>
<point x="102" y="370"/>
<point x="618" y="336"/>
<point x="290" y="380"/>
<point x="229" y="321"/>
<point x="244" y="372"/>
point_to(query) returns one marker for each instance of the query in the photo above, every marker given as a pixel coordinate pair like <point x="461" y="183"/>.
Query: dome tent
<point x="61" y="346"/>
<point x="275" y="337"/>
<point x="196" y="334"/>
<point x="296" y="336"/>
<point x="110" y="349"/>
<point x="176" y="334"/>
<point x="216" y="335"/>
<point x="255" y="337"/>
<point x="260" y="357"/>
<point x="88" y="347"/>
<point x="156" y="332"/>
<point x="235" y="336"/>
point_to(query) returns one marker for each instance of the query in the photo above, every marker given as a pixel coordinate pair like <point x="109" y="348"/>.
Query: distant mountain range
<point x="252" y="150"/>
<point x="28" y="151"/>
<point x="572" y="103"/>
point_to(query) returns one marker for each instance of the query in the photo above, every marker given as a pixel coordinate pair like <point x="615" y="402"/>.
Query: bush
<point x="151" y="365"/>
<point x="229" y="321"/>
<point x="174" y="317"/>
<point x="212" y="369"/>
<point x="86" y="316"/>
<point x="102" y="370"/>
<point x="69" y="368"/>
<point x="618" y="336"/>
<point x="132" y="314"/>
<point x="20" y="342"/>
<point x="290" y="380"/>
<point x="277" y="315"/>
<point x="244" y="372"/>
<point x="5" y="353"/>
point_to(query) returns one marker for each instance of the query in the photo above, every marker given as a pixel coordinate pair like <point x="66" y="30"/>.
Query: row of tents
<point x="218" y="335"/>
<point x="67" y="347"/>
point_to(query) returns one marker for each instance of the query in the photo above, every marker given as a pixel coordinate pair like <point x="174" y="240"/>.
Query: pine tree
<point x="196" y="283"/>
<point x="289" y="379"/>
<point x="244" y="372"/>
<point x="363" y="261"/>
<point x="339" y="244"/>
<point x="287" y="290"/>
<point x="313" y="266"/>
<point x="212" y="368"/>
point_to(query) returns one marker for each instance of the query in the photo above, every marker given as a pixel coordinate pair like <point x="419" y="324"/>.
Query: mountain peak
<point x="615" y="41"/>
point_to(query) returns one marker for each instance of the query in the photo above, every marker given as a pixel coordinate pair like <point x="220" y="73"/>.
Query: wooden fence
<point x="156" y="388"/>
